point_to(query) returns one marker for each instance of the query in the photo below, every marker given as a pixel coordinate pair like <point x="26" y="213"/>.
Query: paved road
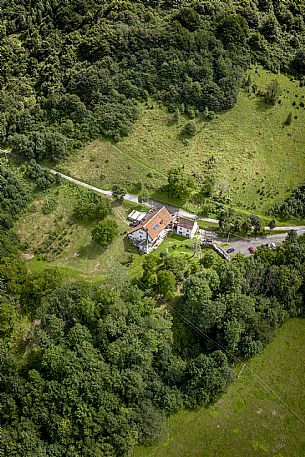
<point x="153" y="203"/>
<point x="132" y="198"/>
<point x="242" y="245"/>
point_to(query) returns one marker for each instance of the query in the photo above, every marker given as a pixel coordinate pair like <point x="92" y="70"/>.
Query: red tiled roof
<point x="155" y="223"/>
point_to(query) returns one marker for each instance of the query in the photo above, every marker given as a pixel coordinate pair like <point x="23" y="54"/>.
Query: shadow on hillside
<point x="128" y="247"/>
<point x="262" y="106"/>
<point x="91" y="251"/>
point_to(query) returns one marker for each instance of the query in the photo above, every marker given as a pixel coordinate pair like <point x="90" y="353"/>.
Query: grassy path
<point x="137" y="161"/>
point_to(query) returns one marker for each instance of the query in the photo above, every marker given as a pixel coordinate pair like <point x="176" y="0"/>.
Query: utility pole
<point x="244" y="365"/>
<point x="146" y="242"/>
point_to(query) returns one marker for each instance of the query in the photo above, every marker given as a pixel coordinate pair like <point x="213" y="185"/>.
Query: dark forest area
<point x="71" y="71"/>
<point x="93" y="371"/>
<point x="95" y="367"/>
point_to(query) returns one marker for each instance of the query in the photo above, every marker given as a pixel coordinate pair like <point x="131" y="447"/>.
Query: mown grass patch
<point x="177" y="245"/>
<point x="50" y="232"/>
<point x="259" y="157"/>
<point x="102" y="164"/>
<point x="57" y="240"/>
<point x="249" y="421"/>
<point x="207" y="224"/>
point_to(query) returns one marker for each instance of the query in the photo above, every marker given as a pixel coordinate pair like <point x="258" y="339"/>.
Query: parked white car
<point x="272" y="245"/>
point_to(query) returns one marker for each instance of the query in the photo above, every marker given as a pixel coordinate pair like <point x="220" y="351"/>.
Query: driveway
<point x="242" y="245"/>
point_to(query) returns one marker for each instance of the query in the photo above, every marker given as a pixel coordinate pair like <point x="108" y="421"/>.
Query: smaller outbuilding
<point x="186" y="226"/>
<point x="136" y="216"/>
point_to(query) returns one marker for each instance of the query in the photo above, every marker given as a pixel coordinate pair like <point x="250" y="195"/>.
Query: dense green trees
<point x="14" y="194"/>
<point x="96" y="372"/>
<point x="90" y="206"/>
<point x="180" y="185"/>
<point x="293" y="207"/>
<point x="166" y="283"/>
<point x="72" y="72"/>
<point x="240" y="304"/>
<point x="231" y="223"/>
<point x="40" y="176"/>
<point x="92" y="370"/>
<point x="118" y="193"/>
<point x="104" y="232"/>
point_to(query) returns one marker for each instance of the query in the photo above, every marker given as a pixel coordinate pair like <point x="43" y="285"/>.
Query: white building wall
<point x="187" y="232"/>
<point x="139" y="235"/>
<point x="195" y="228"/>
<point x="183" y="231"/>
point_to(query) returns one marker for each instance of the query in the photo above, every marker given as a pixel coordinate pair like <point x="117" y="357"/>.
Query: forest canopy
<point x="91" y="370"/>
<point x="71" y="71"/>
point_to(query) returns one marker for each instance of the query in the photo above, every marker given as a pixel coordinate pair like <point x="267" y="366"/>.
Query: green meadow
<point x="248" y="420"/>
<point x="52" y="238"/>
<point x="258" y="158"/>
<point x="56" y="240"/>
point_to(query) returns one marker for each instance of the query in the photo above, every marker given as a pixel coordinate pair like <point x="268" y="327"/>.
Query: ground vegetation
<point x="70" y="74"/>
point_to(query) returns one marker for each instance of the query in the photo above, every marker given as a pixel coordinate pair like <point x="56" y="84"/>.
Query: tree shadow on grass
<point x="262" y="106"/>
<point x="161" y="195"/>
<point x="91" y="251"/>
<point x="129" y="247"/>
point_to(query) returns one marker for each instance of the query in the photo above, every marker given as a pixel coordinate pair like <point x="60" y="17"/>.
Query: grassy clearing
<point x="102" y="164"/>
<point x="206" y="224"/>
<point x="254" y="152"/>
<point x="173" y="245"/>
<point x="56" y="241"/>
<point x="248" y="421"/>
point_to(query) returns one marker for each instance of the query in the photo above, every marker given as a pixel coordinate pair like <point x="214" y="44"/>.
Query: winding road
<point x="132" y="198"/>
<point x="241" y="245"/>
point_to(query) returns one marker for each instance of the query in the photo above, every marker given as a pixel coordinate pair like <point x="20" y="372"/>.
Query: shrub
<point x="272" y="92"/>
<point x="288" y="119"/>
<point x="104" y="232"/>
<point x="190" y="128"/>
<point x="90" y="207"/>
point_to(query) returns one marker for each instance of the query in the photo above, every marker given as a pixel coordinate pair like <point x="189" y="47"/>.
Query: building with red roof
<point x="150" y="233"/>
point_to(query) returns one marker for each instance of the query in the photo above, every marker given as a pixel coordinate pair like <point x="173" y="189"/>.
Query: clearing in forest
<point x="48" y="230"/>
<point x="258" y="158"/>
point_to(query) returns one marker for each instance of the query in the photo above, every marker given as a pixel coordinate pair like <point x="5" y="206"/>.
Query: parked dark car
<point x="134" y="223"/>
<point x="208" y="240"/>
<point x="230" y="250"/>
